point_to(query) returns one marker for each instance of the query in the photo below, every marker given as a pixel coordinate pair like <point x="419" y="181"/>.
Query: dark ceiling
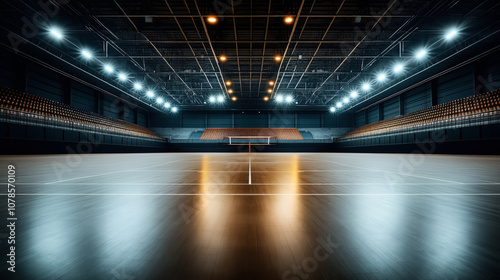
<point x="328" y="50"/>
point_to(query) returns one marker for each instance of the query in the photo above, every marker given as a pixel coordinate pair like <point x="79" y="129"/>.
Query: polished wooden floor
<point x="259" y="216"/>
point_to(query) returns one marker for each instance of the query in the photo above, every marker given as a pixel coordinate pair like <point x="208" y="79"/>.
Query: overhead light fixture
<point x="228" y="83"/>
<point x="266" y="98"/>
<point x="271" y="83"/>
<point x="289" y="99"/>
<point x="212" y="19"/>
<point x="220" y="98"/>
<point x="230" y="91"/>
<point x="167" y="105"/>
<point x="339" y="104"/>
<point x="109" y="68"/>
<point x="345" y="100"/>
<point x="86" y="54"/>
<point x="452" y="33"/>
<point x="366" y="86"/>
<point x="174" y="110"/>
<point x="332" y="109"/>
<point x="288" y="19"/>
<point x="122" y="77"/>
<point x="279" y="98"/>
<point x="150" y="93"/>
<point x="56" y="32"/>
<point x="211" y="99"/>
<point x="420" y="54"/>
<point x="398" y="68"/>
<point x="354" y="94"/>
<point x="137" y="86"/>
<point x="222" y="58"/>
<point x="277" y="58"/>
<point x="381" y="77"/>
<point x="159" y="100"/>
<point x="234" y="98"/>
<point x="270" y="90"/>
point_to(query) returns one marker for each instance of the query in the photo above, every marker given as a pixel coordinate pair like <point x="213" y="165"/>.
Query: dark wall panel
<point x="359" y="119"/>
<point x="83" y="97"/>
<point x="373" y="114"/>
<point x="282" y="119"/>
<point x="417" y="98"/>
<point x="391" y="108"/>
<point x="110" y="107"/>
<point x="193" y="119"/>
<point x="45" y="83"/>
<point x="250" y="119"/>
<point x="219" y="119"/>
<point x="311" y="120"/>
<point x="142" y="118"/>
<point x="455" y="85"/>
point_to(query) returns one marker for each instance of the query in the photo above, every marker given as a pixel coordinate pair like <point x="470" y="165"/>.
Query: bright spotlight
<point x="211" y="99"/>
<point x="56" y="32"/>
<point x="109" y="68"/>
<point x="220" y="98"/>
<point x="332" y="109"/>
<point x="339" y="104"/>
<point x="86" y="54"/>
<point x="398" y="68"/>
<point x="279" y="98"/>
<point x="150" y="93"/>
<point x="381" y="77"/>
<point x="212" y="20"/>
<point x="354" y="94"/>
<point x="345" y="100"/>
<point x="137" y="86"/>
<point x="174" y="110"/>
<point x="167" y="105"/>
<point x="122" y="77"/>
<point x="420" y="54"/>
<point x="289" y="99"/>
<point x="159" y="100"/>
<point x="230" y="91"/>
<point x="452" y="33"/>
<point x="366" y="86"/>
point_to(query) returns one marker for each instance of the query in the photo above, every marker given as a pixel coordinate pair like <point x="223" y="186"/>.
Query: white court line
<point x="250" y="169"/>
<point x="243" y="184"/>
<point x="385" y="171"/>
<point x="115" y="172"/>
<point x="259" y="194"/>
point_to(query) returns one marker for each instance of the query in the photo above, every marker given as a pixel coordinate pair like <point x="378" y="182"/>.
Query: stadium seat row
<point x="476" y="107"/>
<point x="38" y="108"/>
<point x="278" y="133"/>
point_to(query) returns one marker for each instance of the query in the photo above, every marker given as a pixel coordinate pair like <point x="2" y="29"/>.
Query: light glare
<point x="398" y="68"/>
<point x="159" y="100"/>
<point x="339" y="104"/>
<point x="122" y="77"/>
<point x="109" y="68"/>
<point x="137" y="86"/>
<point x="366" y="86"/>
<point x="354" y="94"/>
<point x="421" y="54"/>
<point x="56" y="33"/>
<point x="174" y="109"/>
<point x="87" y="54"/>
<point x="289" y="99"/>
<point x="279" y="98"/>
<point x="451" y="34"/>
<point x="381" y="77"/>
<point x="332" y="109"/>
<point x="150" y="93"/>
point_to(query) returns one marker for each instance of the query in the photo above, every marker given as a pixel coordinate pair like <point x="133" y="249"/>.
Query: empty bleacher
<point x="179" y="133"/>
<point x="21" y="107"/>
<point x="278" y="133"/>
<point x="479" y="109"/>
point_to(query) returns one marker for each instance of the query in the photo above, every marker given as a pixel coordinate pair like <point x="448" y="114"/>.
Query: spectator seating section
<point x="35" y="108"/>
<point x="279" y="133"/>
<point x="474" y="109"/>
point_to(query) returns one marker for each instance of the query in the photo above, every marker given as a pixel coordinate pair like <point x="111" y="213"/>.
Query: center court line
<point x="255" y="184"/>
<point x="250" y="169"/>
<point x="258" y="194"/>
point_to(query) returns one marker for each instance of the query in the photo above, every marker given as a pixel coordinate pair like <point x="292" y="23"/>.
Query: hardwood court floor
<point x="304" y="216"/>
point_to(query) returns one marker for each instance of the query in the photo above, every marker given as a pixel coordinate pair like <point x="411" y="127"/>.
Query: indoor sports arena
<point x="249" y="139"/>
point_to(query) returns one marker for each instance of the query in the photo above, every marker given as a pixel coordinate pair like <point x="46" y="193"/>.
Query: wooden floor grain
<point x="304" y="216"/>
